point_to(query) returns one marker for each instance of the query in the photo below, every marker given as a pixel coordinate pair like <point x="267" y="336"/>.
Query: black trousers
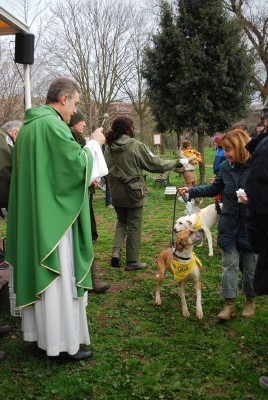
<point x="94" y="231"/>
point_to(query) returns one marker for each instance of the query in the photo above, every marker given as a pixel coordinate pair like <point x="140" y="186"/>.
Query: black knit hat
<point x="79" y="116"/>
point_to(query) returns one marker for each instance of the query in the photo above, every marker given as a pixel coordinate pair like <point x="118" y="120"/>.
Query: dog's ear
<point x="182" y="239"/>
<point x="189" y="222"/>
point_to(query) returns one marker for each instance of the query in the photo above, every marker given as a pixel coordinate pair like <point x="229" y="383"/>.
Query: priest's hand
<point x="98" y="135"/>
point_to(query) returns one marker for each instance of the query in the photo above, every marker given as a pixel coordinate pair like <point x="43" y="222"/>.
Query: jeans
<point x="230" y="266"/>
<point x="108" y="196"/>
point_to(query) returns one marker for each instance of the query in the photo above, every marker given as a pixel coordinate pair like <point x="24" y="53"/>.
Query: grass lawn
<point x="141" y="351"/>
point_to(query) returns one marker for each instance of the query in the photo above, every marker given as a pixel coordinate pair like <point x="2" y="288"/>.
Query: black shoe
<point x="4" y="330"/>
<point x="115" y="262"/>
<point x="82" y="355"/>
<point x="79" y="356"/>
<point x="135" y="265"/>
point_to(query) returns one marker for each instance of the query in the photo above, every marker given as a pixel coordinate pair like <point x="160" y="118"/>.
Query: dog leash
<point x="172" y="241"/>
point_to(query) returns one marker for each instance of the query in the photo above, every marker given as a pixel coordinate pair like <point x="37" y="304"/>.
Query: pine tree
<point x="198" y="68"/>
<point x="160" y="67"/>
<point x="215" y="87"/>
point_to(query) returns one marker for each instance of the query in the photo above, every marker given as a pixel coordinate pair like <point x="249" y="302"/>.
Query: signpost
<point x="157" y="141"/>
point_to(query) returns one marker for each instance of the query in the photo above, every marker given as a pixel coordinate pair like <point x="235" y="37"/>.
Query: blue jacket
<point x="218" y="160"/>
<point x="231" y="226"/>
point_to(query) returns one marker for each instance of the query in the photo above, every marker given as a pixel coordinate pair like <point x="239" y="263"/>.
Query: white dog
<point x="205" y="219"/>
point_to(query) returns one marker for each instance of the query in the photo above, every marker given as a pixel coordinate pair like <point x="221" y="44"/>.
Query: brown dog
<point x="183" y="264"/>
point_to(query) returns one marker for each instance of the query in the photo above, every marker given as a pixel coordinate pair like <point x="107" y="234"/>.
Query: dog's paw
<point x="199" y="314"/>
<point x="158" y="301"/>
<point x="186" y="313"/>
<point x="210" y="254"/>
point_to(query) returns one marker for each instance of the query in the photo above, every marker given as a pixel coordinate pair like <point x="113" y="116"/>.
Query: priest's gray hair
<point x="59" y="87"/>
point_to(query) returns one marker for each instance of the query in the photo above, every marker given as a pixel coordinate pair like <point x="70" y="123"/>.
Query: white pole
<point x="27" y="87"/>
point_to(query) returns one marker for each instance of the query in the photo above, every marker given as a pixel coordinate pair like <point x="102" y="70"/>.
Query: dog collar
<point x="174" y="253"/>
<point x="181" y="258"/>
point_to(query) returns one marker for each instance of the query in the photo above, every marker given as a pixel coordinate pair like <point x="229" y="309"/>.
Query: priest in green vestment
<point x="48" y="235"/>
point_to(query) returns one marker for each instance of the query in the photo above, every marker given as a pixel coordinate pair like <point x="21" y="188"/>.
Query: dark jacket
<point x="257" y="182"/>
<point x="231" y="226"/>
<point x="257" y="213"/>
<point x="79" y="138"/>
<point x="133" y="157"/>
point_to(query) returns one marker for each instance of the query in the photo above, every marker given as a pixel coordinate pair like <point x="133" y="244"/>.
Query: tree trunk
<point x="162" y="145"/>
<point x="141" y="129"/>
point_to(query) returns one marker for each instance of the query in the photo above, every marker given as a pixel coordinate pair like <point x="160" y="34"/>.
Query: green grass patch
<point x="141" y="351"/>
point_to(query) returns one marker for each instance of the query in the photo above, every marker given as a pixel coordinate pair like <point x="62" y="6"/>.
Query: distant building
<point x="120" y="107"/>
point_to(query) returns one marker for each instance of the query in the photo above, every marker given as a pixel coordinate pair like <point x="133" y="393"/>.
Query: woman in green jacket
<point x="128" y="157"/>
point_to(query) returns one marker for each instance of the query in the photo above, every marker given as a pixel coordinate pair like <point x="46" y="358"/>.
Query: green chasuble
<point x="48" y="195"/>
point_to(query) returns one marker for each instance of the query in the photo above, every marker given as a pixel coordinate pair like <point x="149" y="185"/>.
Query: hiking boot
<point x="263" y="381"/>
<point x="135" y="265"/>
<point x="99" y="286"/>
<point x="228" y="310"/>
<point x="249" y="309"/>
<point x="116" y="257"/>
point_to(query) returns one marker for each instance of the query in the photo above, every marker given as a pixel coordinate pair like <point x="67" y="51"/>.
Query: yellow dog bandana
<point x="198" y="224"/>
<point x="182" y="270"/>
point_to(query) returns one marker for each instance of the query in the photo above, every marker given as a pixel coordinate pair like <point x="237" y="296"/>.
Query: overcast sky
<point x="6" y="5"/>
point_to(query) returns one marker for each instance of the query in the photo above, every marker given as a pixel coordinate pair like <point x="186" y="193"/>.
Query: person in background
<point x="260" y="126"/>
<point x="77" y="125"/>
<point x="108" y="195"/>
<point x="193" y="157"/>
<point x="8" y="134"/>
<point x="125" y="155"/>
<point x="241" y="125"/>
<point x="48" y="236"/>
<point x="257" y="211"/>
<point x="232" y="237"/>
<point x="219" y="156"/>
<point x="265" y="116"/>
